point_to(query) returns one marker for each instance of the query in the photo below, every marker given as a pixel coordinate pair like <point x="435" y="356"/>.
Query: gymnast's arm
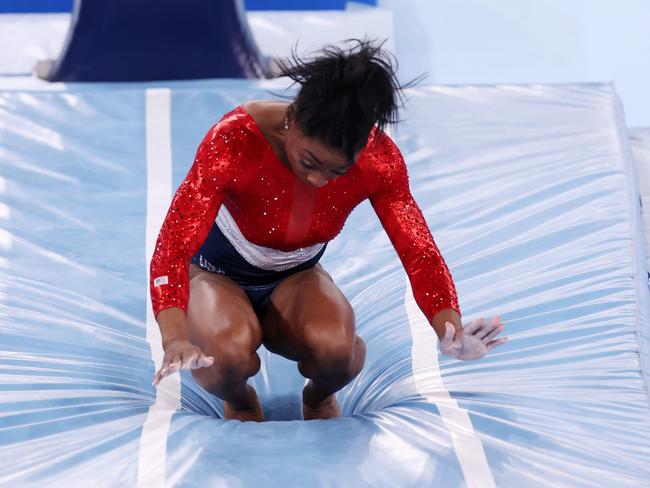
<point x="433" y="287"/>
<point x="186" y="226"/>
<point x="189" y="219"/>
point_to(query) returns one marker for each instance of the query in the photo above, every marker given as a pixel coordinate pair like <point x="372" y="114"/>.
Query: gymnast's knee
<point x="235" y="361"/>
<point x="335" y="359"/>
<point x="229" y="370"/>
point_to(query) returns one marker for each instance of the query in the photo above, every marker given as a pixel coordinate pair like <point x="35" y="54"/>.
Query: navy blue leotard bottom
<point x="218" y="255"/>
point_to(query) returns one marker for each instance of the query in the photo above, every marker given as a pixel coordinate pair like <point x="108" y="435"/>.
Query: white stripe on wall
<point x="153" y="441"/>
<point x="424" y="352"/>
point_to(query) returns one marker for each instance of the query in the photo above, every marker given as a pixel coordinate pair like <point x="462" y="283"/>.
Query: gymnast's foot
<point x="326" y="409"/>
<point x="251" y="411"/>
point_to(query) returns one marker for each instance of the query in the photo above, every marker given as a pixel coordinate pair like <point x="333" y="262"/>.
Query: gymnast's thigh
<point x="308" y="312"/>
<point x="220" y="317"/>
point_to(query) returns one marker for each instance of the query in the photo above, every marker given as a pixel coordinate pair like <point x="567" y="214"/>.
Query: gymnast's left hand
<point x="474" y="340"/>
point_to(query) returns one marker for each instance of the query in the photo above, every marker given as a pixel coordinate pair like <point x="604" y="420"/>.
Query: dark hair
<point x="345" y="92"/>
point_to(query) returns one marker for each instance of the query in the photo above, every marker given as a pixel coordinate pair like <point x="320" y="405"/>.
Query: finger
<point x="166" y="370"/>
<point x="495" y="321"/>
<point x="493" y="333"/>
<point x="169" y="369"/>
<point x="162" y="372"/>
<point x="497" y="342"/>
<point x="474" y="327"/>
<point x="188" y="359"/>
<point x="159" y="376"/>
<point x="198" y="361"/>
<point x="175" y="364"/>
<point x="204" y="361"/>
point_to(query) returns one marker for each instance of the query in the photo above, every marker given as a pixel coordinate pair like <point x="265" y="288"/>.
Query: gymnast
<point x="236" y="261"/>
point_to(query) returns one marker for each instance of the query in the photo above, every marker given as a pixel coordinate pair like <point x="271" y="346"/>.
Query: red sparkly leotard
<point x="236" y="166"/>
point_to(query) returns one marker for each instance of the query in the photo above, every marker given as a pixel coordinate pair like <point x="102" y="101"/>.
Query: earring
<point x="286" y="123"/>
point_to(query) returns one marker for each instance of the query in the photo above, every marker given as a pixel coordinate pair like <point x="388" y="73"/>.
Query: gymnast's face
<point x="312" y="161"/>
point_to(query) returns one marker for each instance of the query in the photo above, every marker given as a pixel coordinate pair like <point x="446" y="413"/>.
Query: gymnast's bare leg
<point x="221" y="321"/>
<point x="310" y="321"/>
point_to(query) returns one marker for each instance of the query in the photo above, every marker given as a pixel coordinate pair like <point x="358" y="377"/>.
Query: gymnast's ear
<point x="291" y="112"/>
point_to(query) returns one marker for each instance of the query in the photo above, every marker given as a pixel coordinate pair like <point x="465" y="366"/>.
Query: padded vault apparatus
<point x="530" y="193"/>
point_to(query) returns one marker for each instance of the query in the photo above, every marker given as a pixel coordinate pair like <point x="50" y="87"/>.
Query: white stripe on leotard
<point x="262" y="257"/>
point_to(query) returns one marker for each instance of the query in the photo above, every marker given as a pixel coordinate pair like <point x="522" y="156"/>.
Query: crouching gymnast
<point x="236" y="260"/>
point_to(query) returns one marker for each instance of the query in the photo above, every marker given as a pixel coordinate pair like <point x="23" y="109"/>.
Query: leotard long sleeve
<point x="235" y="166"/>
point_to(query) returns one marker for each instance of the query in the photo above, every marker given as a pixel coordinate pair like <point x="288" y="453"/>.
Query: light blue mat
<point x="530" y="196"/>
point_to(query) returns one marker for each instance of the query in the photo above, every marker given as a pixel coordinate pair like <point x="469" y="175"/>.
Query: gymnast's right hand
<point x="181" y="354"/>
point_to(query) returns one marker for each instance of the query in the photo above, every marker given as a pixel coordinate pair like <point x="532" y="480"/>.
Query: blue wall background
<point x="26" y="6"/>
